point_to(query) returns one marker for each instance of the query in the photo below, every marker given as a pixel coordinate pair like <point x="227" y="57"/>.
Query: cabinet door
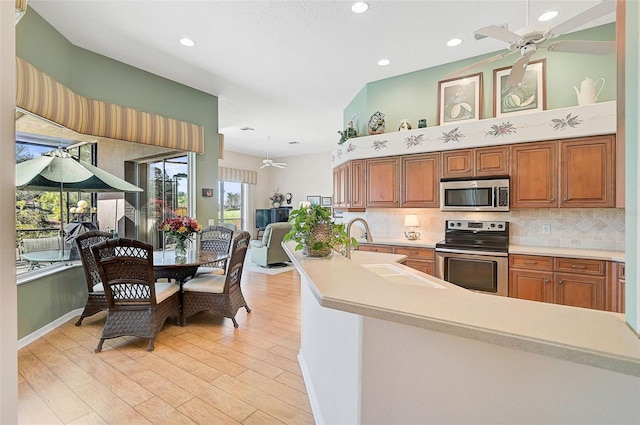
<point x="387" y="249"/>
<point x="420" y="181"/>
<point x="579" y="290"/>
<point x="534" y="175"/>
<point x="383" y="182"/>
<point x="492" y="161"/>
<point x="458" y="163"/>
<point x="356" y="186"/>
<point x="340" y="190"/>
<point x="587" y="174"/>
<point x="531" y="285"/>
<point x="427" y="267"/>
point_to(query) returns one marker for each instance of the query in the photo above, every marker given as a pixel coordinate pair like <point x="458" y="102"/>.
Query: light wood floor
<point x="203" y="373"/>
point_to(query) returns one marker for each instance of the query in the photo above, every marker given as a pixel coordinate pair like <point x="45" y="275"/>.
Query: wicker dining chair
<point x="218" y="239"/>
<point x="220" y="294"/>
<point x="138" y="306"/>
<point x="96" y="300"/>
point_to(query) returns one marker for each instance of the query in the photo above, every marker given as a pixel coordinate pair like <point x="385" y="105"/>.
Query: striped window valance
<point x="42" y="95"/>
<point x="235" y="175"/>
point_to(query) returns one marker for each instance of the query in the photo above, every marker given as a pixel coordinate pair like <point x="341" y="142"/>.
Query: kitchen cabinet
<point x="383" y="182"/>
<point x="576" y="173"/>
<point x="419" y="258"/>
<point x="420" y="181"/>
<point x="479" y="162"/>
<point x="615" y="291"/>
<point x="567" y="281"/>
<point x="349" y="186"/>
<point x="371" y="247"/>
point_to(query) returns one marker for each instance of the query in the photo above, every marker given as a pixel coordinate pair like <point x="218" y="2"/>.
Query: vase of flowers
<point x="182" y="228"/>
<point x="276" y="199"/>
<point x="315" y="232"/>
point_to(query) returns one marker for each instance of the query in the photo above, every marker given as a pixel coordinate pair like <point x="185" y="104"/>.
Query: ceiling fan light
<point x="384" y="62"/>
<point x="187" y="42"/>
<point x="547" y="16"/>
<point x="360" y="7"/>
<point x="454" y="42"/>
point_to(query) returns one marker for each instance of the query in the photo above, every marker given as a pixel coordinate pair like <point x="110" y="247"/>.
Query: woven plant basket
<point x="320" y="233"/>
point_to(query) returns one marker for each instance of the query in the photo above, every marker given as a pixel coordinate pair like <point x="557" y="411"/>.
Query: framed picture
<point x="326" y="201"/>
<point x="315" y="200"/>
<point x="529" y="96"/>
<point x="207" y="192"/>
<point x="460" y="99"/>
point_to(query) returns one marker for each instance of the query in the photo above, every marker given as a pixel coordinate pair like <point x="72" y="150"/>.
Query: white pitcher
<point x="587" y="94"/>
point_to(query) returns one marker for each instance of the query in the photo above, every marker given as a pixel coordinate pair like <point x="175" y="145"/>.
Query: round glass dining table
<point x="166" y="265"/>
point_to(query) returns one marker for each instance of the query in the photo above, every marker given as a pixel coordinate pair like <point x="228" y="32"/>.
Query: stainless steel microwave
<point x="474" y="195"/>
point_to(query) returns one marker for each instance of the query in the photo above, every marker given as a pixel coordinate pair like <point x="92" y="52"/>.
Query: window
<point x="231" y="200"/>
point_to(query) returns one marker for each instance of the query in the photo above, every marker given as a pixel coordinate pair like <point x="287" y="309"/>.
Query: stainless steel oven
<point x="474" y="255"/>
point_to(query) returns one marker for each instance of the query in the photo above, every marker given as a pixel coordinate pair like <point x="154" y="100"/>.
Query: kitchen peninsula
<point x="373" y="350"/>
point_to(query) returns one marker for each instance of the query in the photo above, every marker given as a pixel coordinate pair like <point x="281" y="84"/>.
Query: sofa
<point x="268" y="251"/>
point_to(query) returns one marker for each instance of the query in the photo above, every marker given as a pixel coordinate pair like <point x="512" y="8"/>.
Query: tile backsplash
<point x="596" y="228"/>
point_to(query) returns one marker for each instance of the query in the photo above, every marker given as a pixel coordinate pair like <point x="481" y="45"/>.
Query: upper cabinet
<point x="577" y="173"/>
<point x="420" y="186"/>
<point x="349" y="186"/>
<point x="383" y="182"/>
<point x="479" y="162"/>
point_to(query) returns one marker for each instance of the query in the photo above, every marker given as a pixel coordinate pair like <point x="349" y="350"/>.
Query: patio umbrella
<point x="58" y="170"/>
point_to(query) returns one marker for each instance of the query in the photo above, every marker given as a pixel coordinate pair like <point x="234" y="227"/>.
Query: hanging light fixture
<point x="21" y="9"/>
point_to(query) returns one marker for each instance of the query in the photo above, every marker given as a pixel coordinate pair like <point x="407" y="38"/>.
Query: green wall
<point x="98" y="77"/>
<point x="415" y="95"/>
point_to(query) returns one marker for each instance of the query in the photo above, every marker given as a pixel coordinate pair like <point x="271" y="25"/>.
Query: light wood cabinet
<point x="615" y="291"/>
<point x="567" y="281"/>
<point x="420" y="181"/>
<point x="383" y="182"/>
<point x="479" y="162"/>
<point x="371" y="247"/>
<point x="348" y="186"/>
<point x="576" y="173"/>
<point x="419" y="258"/>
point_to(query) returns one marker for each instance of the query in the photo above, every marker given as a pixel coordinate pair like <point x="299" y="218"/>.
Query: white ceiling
<point x="288" y="68"/>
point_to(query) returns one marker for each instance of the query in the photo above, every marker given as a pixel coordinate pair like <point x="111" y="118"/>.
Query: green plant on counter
<point x="315" y="232"/>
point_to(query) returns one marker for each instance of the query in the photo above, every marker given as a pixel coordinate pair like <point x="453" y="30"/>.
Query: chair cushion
<point x="213" y="284"/>
<point x="256" y="244"/>
<point x="98" y="287"/>
<point x="209" y="270"/>
<point x="165" y="290"/>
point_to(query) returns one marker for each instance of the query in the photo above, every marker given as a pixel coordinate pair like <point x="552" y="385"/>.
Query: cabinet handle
<point x="478" y="169"/>
<point x="564" y="199"/>
<point x="574" y="266"/>
<point x="546" y="281"/>
<point x="561" y="281"/>
<point x="552" y="200"/>
<point x="531" y="262"/>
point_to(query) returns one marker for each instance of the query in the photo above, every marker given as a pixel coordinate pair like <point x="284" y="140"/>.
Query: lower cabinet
<point x="567" y="281"/>
<point x="419" y="258"/>
<point x="615" y="299"/>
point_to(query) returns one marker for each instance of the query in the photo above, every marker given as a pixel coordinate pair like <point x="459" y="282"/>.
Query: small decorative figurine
<point x="422" y="123"/>
<point x="404" y="125"/>
<point x="349" y="133"/>
<point x="376" y="123"/>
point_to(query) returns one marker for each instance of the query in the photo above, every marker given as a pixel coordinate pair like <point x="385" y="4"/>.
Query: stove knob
<point x="459" y="224"/>
<point x="500" y="226"/>
<point x="492" y="225"/>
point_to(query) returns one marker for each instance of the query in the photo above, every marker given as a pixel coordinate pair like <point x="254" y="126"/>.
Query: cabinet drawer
<point x="417" y="253"/>
<point x="531" y="262"/>
<point x="387" y="249"/>
<point x="426" y="267"/>
<point x="582" y="266"/>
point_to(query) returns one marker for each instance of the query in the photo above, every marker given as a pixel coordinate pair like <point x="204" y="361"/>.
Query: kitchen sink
<point x="396" y="274"/>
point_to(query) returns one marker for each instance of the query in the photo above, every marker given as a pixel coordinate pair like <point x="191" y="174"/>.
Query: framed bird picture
<point x="460" y="99"/>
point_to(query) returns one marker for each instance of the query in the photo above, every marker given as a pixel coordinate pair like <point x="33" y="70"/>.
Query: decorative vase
<point x="276" y="205"/>
<point x="181" y="249"/>
<point x="320" y="233"/>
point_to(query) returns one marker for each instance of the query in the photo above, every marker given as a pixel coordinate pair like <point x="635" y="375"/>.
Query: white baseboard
<point x="315" y="407"/>
<point x="22" y="342"/>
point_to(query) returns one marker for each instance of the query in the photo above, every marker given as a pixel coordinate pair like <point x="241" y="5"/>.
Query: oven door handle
<point x="486" y="253"/>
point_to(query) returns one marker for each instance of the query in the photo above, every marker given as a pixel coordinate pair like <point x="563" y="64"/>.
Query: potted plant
<point x="276" y="199"/>
<point x="315" y="232"/>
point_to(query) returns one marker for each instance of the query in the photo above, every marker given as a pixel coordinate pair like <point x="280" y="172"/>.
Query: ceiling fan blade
<point x="279" y="165"/>
<point x="517" y="71"/>
<point x="583" y="46"/>
<point x="580" y="19"/>
<point x="498" y="33"/>
<point x="264" y="165"/>
<point x="462" y="71"/>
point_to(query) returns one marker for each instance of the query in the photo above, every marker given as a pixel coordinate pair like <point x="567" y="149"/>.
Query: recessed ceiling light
<point x="246" y="128"/>
<point x="547" y="16"/>
<point x="384" y="62"/>
<point x="360" y="7"/>
<point x="294" y="143"/>
<point x="454" y="42"/>
<point x="187" y="42"/>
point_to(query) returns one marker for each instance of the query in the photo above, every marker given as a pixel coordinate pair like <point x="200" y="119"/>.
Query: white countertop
<point x="549" y="251"/>
<point x="592" y="337"/>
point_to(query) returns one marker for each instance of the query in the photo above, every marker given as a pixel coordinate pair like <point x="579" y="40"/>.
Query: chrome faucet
<point x="367" y="233"/>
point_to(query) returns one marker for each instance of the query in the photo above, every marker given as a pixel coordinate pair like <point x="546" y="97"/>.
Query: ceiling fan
<point x="529" y="39"/>
<point x="269" y="162"/>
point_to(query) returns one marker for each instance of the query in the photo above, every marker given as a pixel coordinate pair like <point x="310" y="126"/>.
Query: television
<point x="271" y="215"/>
